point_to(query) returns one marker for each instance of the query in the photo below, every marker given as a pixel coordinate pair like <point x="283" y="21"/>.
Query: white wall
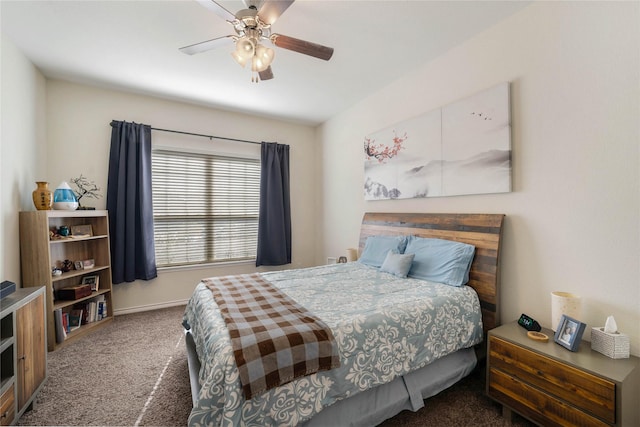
<point x="23" y="152"/>
<point x="573" y="218"/>
<point x="78" y="137"/>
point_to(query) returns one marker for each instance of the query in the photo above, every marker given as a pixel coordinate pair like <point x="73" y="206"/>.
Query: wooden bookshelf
<point x="40" y="253"/>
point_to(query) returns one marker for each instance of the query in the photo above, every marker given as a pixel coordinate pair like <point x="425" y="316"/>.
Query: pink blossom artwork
<point x="462" y="148"/>
<point x="382" y="152"/>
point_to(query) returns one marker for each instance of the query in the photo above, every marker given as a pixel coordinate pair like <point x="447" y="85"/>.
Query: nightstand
<point x="553" y="386"/>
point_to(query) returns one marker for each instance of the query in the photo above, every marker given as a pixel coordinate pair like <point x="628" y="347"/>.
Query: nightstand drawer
<point x="588" y="393"/>
<point x="536" y="404"/>
<point x="7" y="407"/>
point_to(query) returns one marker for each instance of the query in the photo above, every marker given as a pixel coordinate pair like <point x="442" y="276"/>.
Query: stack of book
<point x="95" y="310"/>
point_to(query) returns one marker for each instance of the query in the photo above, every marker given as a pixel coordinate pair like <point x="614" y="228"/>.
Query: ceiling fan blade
<point x="218" y="10"/>
<point x="208" y="45"/>
<point x="266" y="74"/>
<point x="271" y="10"/>
<point x="301" y="46"/>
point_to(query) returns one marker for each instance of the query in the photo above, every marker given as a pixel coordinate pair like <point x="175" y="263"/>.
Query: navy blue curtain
<point x="274" y="225"/>
<point x="129" y="203"/>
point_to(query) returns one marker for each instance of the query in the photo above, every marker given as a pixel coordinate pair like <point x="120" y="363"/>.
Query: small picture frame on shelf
<point x="93" y="281"/>
<point x="78" y="265"/>
<point x="88" y="263"/>
<point x="82" y="230"/>
<point x="569" y="332"/>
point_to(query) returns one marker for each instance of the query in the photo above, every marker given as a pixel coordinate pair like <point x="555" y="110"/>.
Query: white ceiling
<point x="133" y="46"/>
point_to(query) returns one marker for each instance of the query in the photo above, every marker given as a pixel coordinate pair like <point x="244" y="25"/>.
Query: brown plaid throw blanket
<point x="275" y="340"/>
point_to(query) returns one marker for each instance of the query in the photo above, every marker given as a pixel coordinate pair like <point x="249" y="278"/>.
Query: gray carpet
<point x="134" y="372"/>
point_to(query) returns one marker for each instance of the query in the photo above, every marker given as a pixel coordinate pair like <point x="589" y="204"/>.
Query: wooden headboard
<point x="480" y="230"/>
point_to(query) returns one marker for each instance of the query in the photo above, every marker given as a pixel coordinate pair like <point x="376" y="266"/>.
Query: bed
<point x="385" y="330"/>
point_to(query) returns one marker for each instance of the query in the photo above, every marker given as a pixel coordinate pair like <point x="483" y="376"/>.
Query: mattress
<point x="385" y="328"/>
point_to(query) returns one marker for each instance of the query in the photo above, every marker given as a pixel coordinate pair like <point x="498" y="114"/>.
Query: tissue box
<point x="614" y="345"/>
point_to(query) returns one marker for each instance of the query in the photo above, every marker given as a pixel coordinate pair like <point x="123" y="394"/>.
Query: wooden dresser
<point x="553" y="386"/>
<point x="23" y="351"/>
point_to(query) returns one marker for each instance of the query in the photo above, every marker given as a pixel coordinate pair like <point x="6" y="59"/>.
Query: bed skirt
<point x="373" y="406"/>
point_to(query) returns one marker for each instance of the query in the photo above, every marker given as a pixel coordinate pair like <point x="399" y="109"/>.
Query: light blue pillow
<point x="397" y="264"/>
<point x="376" y="249"/>
<point x="438" y="260"/>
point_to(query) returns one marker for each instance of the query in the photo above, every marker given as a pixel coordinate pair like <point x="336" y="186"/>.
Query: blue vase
<point x="64" y="198"/>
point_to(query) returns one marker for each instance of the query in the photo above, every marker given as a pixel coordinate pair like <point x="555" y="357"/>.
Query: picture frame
<point x="78" y="265"/>
<point x="569" y="332"/>
<point x="88" y="263"/>
<point x="93" y="281"/>
<point x="82" y="230"/>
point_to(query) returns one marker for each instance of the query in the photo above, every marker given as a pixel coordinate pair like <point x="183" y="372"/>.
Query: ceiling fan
<point x="253" y="26"/>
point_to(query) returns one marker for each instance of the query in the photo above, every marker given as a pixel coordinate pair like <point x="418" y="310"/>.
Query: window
<point x="205" y="207"/>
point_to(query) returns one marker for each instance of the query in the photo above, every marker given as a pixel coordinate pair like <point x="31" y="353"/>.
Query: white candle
<point x="564" y="303"/>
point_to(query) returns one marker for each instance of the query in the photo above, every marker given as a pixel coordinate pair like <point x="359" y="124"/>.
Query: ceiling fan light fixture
<point x="257" y="65"/>
<point x="245" y="47"/>
<point x="264" y="55"/>
<point x="239" y="58"/>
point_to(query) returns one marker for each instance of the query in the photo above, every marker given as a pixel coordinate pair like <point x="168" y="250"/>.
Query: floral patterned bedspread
<point x="385" y="327"/>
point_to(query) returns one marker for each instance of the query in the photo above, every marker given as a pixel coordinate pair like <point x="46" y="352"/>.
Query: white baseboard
<point x="149" y="307"/>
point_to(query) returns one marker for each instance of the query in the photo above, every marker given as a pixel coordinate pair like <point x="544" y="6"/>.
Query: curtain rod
<point x="206" y="136"/>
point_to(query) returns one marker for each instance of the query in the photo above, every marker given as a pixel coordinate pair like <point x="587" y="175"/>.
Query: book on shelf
<point x="88" y="311"/>
<point x="102" y="307"/>
<point x="102" y="310"/>
<point x="61" y="333"/>
<point x="92" y="312"/>
<point x="65" y="321"/>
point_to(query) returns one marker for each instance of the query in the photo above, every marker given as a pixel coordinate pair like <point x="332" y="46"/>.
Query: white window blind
<point x="205" y="207"/>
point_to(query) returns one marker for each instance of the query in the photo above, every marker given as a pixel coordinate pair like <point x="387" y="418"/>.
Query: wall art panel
<point x="463" y="148"/>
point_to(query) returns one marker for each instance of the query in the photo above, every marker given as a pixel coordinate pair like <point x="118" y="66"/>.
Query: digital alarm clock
<point x="529" y="323"/>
